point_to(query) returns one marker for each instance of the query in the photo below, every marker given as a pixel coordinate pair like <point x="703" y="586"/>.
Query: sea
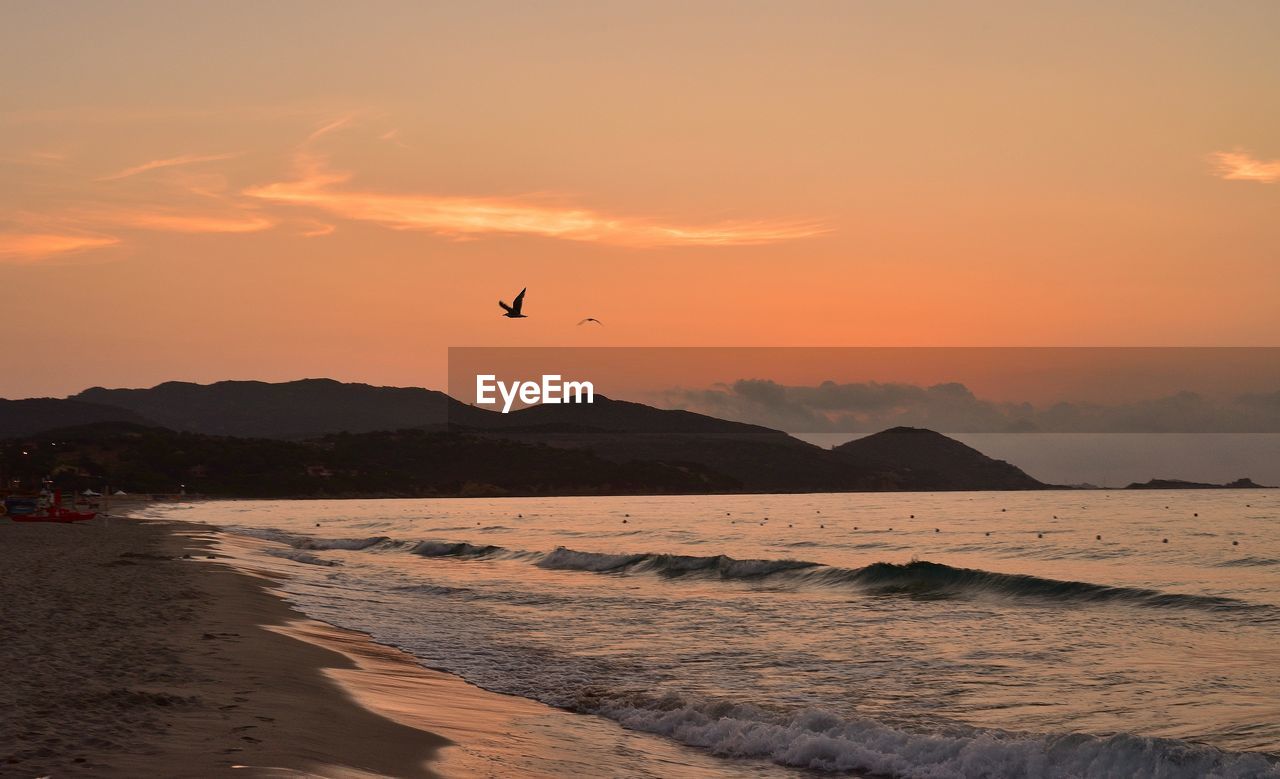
<point x="1062" y="633"/>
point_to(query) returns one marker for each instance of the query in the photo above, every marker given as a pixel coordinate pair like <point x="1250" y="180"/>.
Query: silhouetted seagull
<point x="591" y="319"/>
<point x="513" y="310"/>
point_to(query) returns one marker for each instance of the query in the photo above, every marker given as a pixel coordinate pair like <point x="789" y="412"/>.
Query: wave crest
<point x="926" y="578"/>
<point x="820" y="741"/>
<point x="917" y="578"/>
<point x="456" y="549"/>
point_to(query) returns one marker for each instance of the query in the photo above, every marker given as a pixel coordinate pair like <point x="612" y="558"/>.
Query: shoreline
<point x="142" y="647"/>
<point x="489" y="734"/>
<point x="128" y="654"/>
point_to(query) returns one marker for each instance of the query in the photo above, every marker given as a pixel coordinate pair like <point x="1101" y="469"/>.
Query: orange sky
<point x="272" y="191"/>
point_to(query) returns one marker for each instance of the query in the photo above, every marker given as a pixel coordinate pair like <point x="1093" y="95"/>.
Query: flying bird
<point x="513" y="310"/>
<point x="591" y="319"/>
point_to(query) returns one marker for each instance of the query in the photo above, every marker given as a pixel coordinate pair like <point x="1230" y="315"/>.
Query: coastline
<point x="141" y="647"/>
<point x="161" y="646"/>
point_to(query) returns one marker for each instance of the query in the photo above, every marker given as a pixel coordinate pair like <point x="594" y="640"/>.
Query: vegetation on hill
<point x="405" y="463"/>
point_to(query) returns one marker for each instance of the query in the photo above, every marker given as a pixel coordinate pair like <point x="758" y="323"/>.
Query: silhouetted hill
<point x="1179" y="484"/>
<point x="916" y="459"/>
<point x="24" y="417"/>
<point x="621" y="434"/>
<point x="294" y="409"/>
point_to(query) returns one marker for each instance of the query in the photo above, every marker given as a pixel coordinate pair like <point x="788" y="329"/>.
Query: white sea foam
<point x="820" y="741"/>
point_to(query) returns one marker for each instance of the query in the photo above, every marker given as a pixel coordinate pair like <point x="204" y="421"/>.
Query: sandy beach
<point x="127" y="652"/>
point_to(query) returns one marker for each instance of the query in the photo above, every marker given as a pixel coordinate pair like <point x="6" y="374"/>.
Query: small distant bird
<point x="591" y="319"/>
<point x="513" y="310"/>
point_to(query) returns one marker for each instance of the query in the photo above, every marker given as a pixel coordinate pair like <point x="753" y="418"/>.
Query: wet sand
<point x="122" y="657"/>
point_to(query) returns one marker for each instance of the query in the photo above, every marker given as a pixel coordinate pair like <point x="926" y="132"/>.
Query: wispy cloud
<point x="87" y="229"/>
<point x="27" y="247"/>
<point x="314" y="229"/>
<point x="316" y="186"/>
<point x="169" y="162"/>
<point x="393" y="136"/>
<point x="1240" y="165"/>
<point x="314" y="196"/>
<point x="328" y="127"/>
<point x="38" y="158"/>
<point x="176" y="221"/>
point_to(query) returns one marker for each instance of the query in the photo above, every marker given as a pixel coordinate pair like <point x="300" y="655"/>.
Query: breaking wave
<point x="298" y="541"/>
<point x="299" y="556"/>
<point x="918" y="578"/>
<point x="460" y="549"/>
<point x="667" y="564"/>
<point x="818" y="740"/>
<point x="923" y="577"/>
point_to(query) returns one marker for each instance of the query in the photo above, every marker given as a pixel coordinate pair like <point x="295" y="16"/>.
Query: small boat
<point x="53" y="512"/>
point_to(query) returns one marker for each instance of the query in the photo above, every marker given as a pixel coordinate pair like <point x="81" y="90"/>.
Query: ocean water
<point x="909" y="634"/>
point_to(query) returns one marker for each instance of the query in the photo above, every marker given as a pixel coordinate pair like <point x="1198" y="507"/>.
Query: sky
<point x="297" y="189"/>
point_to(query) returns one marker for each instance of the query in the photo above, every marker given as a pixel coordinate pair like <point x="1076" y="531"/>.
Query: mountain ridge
<point x="726" y="455"/>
